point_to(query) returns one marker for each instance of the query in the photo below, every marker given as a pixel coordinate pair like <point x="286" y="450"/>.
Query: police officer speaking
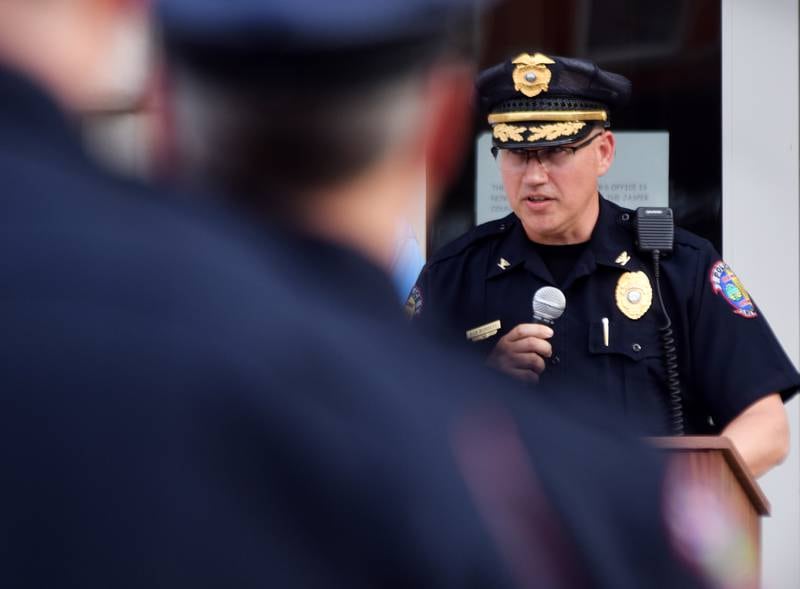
<point x="654" y="322"/>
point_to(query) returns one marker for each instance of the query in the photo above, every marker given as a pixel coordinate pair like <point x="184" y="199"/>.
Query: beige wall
<point x="761" y="218"/>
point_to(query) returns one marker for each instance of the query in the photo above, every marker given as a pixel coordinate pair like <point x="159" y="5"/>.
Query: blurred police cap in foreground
<point x="301" y="92"/>
<point x="337" y="39"/>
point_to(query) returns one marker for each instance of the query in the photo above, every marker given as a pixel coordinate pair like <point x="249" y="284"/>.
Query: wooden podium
<point x="712" y="462"/>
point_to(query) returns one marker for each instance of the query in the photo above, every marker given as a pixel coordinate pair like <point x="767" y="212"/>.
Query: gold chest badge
<point x="634" y="294"/>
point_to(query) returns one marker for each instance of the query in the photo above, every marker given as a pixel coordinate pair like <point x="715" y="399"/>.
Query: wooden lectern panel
<point x="713" y="463"/>
<point x="706" y="446"/>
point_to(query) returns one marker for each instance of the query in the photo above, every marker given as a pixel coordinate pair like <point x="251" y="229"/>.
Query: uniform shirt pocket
<point x="632" y="370"/>
<point x="636" y="341"/>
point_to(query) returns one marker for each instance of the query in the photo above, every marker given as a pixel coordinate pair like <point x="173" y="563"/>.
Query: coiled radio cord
<point x="670" y="357"/>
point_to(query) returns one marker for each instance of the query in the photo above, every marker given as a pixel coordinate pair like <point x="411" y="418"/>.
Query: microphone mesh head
<point x="549" y="303"/>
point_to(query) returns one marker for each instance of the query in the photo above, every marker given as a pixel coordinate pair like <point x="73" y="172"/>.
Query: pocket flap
<point x="634" y="340"/>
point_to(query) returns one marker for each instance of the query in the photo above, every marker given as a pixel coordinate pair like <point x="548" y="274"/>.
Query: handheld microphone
<point x="549" y="304"/>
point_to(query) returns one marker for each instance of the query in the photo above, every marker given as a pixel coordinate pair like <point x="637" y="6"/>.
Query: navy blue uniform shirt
<point x="727" y="353"/>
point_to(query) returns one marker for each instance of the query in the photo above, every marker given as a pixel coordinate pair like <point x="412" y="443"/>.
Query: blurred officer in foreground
<point x="725" y="371"/>
<point x="317" y="119"/>
<point x="171" y="417"/>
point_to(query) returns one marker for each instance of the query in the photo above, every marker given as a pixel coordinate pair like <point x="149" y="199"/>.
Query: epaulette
<point x="475" y="235"/>
<point x="684" y="237"/>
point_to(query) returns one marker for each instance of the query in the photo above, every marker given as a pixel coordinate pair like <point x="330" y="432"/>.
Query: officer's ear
<point x="448" y="124"/>
<point x="606" y="149"/>
<point x="85" y="52"/>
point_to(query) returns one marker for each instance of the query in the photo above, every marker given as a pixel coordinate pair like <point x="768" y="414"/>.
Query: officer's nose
<point x="535" y="171"/>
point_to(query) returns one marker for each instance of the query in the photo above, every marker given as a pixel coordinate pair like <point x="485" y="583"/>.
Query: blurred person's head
<point x="326" y="115"/>
<point x="84" y="52"/>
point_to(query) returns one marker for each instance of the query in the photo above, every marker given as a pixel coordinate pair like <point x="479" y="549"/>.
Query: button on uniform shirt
<point x="727" y="355"/>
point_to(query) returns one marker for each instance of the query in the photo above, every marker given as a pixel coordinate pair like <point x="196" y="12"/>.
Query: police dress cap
<point x="541" y="101"/>
<point x="262" y="36"/>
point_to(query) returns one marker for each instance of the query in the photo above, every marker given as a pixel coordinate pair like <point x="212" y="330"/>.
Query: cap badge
<point x="623" y="259"/>
<point x="726" y="284"/>
<point x="634" y="294"/>
<point x="503" y="264"/>
<point x="532" y="76"/>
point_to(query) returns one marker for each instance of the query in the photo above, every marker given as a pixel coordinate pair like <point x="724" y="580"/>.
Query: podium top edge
<point x="732" y="457"/>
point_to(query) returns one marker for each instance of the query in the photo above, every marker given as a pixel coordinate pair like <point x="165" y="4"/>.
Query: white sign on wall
<point x="490" y="196"/>
<point x="639" y="176"/>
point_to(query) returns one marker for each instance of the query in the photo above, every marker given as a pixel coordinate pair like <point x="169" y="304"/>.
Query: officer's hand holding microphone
<point x="523" y="351"/>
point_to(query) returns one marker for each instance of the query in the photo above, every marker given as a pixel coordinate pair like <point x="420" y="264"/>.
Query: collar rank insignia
<point x="503" y="264"/>
<point x="483" y="332"/>
<point x="634" y="294"/>
<point x="623" y="259"/>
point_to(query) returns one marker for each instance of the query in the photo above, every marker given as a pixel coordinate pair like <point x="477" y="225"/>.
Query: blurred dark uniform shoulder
<point x="173" y="415"/>
<point x="132" y="345"/>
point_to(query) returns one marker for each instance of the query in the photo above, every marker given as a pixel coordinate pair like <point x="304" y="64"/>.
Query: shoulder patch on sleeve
<point x="414" y="303"/>
<point x="726" y="284"/>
